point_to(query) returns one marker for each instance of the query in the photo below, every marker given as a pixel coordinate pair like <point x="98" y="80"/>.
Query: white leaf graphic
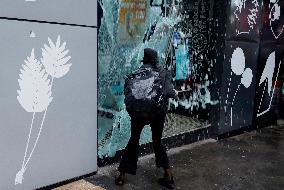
<point x="55" y="59"/>
<point x="268" y="72"/>
<point x="35" y="88"/>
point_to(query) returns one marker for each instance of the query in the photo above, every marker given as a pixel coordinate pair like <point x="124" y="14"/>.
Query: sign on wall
<point x="132" y="17"/>
<point x="48" y="103"/>
<point x="182" y="62"/>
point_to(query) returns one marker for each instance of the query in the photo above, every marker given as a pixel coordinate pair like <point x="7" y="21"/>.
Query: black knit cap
<point x="150" y="56"/>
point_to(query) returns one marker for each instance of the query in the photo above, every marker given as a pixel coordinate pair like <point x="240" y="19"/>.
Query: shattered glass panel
<point x="180" y="32"/>
<point x="195" y="33"/>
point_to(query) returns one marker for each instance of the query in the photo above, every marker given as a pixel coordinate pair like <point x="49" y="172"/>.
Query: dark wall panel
<point x="270" y="65"/>
<point x="219" y="32"/>
<point x="238" y="85"/>
<point x="267" y="87"/>
<point x="253" y="25"/>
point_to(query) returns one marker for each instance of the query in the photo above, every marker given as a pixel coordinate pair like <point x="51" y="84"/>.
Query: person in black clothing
<point x="156" y="120"/>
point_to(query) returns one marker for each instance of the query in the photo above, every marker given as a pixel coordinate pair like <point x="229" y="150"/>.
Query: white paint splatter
<point x="251" y="18"/>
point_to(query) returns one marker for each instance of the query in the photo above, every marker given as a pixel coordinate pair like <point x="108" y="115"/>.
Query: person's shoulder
<point x="167" y="72"/>
<point x="160" y="68"/>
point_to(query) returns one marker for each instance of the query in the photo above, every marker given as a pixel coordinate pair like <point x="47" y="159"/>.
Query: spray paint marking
<point x="251" y="18"/>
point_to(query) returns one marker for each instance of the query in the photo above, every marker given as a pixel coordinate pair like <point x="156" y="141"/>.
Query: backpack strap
<point x="137" y="72"/>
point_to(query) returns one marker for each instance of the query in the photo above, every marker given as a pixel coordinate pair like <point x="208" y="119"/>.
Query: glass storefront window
<point x="180" y="31"/>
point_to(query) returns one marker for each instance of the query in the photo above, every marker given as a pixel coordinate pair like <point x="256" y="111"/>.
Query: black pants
<point x="129" y="160"/>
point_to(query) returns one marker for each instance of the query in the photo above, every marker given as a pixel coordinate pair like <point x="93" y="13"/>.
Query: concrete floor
<point x="251" y="161"/>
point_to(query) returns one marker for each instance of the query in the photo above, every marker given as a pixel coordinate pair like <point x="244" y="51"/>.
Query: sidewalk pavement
<point x="79" y="185"/>
<point x="251" y="161"/>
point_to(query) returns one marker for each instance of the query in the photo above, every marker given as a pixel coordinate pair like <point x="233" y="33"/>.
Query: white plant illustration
<point x="35" y="89"/>
<point x="36" y="81"/>
<point x="238" y="67"/>
<point x="54" y="60"/>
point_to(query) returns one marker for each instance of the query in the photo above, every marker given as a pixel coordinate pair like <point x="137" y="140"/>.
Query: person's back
<point x="155" y="116"/>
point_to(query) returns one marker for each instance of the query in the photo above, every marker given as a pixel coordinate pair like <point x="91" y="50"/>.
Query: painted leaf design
<point x="35" y="88"/>
<point x="268" y="72"/>
<point x="55" y="59"/>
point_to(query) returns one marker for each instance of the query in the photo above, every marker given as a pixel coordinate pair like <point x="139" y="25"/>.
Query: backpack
<point x="144" y="91"/>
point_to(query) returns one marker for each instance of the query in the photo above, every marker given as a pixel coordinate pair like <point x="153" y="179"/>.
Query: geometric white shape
<point x="247" y="77"/>
<point x="268" y="71"/>
<point x="238" y="61"/>
<point x="271" y="98"/>
<point x="32" y="34"/>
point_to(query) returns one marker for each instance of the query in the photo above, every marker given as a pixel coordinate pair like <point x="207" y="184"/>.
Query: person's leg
<point x="129" y="159"/>
<point x="157" y="126"/>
